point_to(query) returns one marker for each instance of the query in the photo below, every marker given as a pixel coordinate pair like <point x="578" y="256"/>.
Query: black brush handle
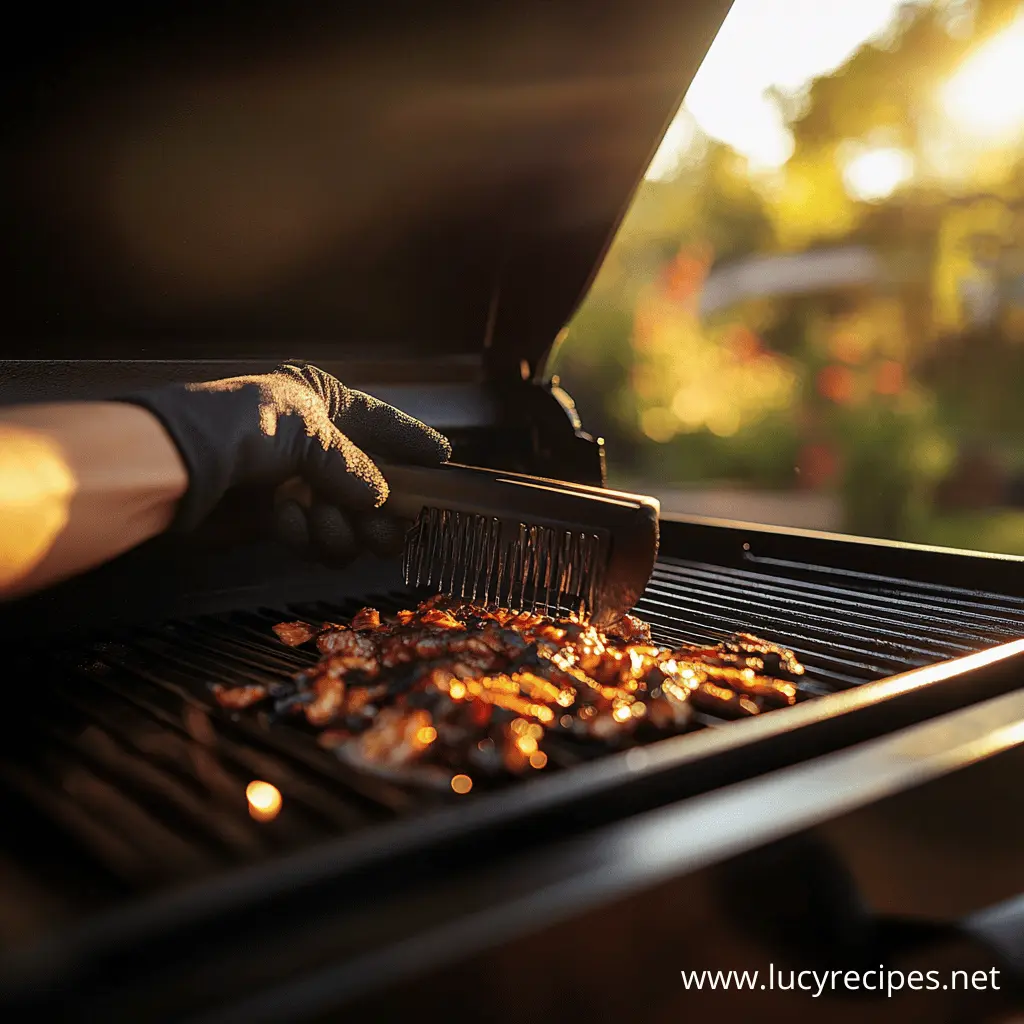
<point x="629" y="521"/>
<point x="490" y="492"/>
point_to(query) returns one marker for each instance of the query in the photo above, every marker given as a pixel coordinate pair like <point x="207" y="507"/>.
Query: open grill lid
<point x="433" y="178"/>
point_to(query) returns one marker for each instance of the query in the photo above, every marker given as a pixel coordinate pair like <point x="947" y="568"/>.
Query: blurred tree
<point x="642" y="306"/>
<point x="945" y="261"/>
<point x="811" y="204"/>
<point x="882" y="87"/>
<point x="865" y="391"/>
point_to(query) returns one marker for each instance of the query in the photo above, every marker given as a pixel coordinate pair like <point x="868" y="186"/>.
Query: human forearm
<point x="79" y="484"/>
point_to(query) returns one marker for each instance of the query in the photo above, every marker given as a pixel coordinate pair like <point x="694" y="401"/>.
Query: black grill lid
<point x="432" y="177"/>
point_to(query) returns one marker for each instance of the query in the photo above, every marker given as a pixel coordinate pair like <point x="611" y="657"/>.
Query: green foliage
<point x="996" y="530"/>
<point x="760" y="456"/>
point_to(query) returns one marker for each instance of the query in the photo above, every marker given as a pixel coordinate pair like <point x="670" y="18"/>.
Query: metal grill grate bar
<point x="1003" y="616"/>
<point x="839" y="670"/>
<point x="878" y="611"/>
<point x="845" y="634"/>
<point x="122" y="753"/>
<point x="836" y="572"/>
<point x="225" y="761"/>
<point x="779" y="615"/>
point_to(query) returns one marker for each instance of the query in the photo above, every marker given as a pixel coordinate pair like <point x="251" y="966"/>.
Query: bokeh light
<point x="985" y="98"/>
<point x="875" y="174"/>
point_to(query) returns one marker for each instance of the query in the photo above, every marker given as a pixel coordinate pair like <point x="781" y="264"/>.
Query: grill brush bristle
<point x="522" y="542"/>
<point x="496" y="563"/>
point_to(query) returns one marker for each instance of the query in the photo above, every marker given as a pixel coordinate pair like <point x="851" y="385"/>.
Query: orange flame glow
<point x="264" y="800"/>
<point x="462" y="784"/>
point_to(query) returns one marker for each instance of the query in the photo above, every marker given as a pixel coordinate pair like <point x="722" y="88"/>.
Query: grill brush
<point x="524" y="542"/>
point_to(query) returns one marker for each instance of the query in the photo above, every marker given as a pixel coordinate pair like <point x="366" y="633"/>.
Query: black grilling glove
<point x="298" y="421"/>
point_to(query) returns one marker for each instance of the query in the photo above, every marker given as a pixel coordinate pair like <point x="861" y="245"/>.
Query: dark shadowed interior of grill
<point x="121" y="775"/>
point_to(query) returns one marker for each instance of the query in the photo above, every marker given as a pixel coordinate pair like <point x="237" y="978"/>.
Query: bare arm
<point x="79" y="484"/>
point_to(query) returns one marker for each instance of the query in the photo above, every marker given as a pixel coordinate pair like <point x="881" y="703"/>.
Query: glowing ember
<point x="462" y="784"/>
<point x="527" y="744"/>
<point x="264" y="800"/>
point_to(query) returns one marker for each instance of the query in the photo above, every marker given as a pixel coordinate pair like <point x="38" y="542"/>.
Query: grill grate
<point x="847" y="627"/>
<point x="120" y="775"/>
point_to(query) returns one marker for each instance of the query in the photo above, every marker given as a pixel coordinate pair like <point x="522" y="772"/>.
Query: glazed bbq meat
<point x="451" y="692"/>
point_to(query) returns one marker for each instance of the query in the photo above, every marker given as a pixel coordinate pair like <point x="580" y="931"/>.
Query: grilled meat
<point x="631" y="629"/>
<point x="295" y="633"/>
<point x="235" y="698"/>
<point x="448" y="691"/>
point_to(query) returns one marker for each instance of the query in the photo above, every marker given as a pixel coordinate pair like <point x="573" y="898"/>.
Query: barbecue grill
<point x="444" y="183"/>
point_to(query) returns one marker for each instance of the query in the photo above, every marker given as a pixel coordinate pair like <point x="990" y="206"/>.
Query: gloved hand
<point x="298" y="421"/>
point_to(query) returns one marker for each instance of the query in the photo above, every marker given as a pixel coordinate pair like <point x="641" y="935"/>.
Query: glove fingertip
<point x="389" y="432"/>
<point x="291" y="526"/>
<point x="346" y="476"/>
<point x="427" y="447"/>
<point x="444" y="446"/>
<point x="382" y="534"/>
<point x="332" y="535"/>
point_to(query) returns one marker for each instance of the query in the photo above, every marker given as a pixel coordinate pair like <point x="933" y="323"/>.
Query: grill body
<point x="125" y="784"/>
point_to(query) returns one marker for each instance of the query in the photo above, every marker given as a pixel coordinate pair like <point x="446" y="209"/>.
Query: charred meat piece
<point x="328" y="700"/>
<point x="722" y="702"/>
<point x="237" y="697"/>
<point x="631" y="629"/>
<point x="742" y="650"/>
<point x="347" y="643"/>
<point x="775" y="660"/>
<point x="295" y="633"/>
<point x="366" y="618"/>
<point x="777" y="692"/>
<point x="440" y="619"/>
